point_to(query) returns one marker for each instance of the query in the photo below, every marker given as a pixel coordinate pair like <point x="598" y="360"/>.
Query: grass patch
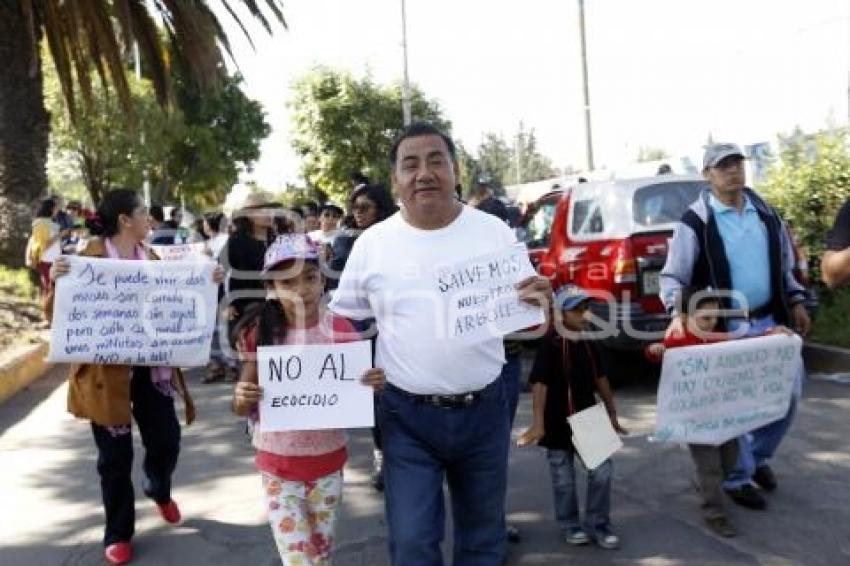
<point x="832" y="321"/>
<point x="17" y="283"/>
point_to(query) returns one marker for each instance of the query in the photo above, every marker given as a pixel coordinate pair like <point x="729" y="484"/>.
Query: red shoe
<point x="169" y="511"/>
<point x="118" y="553"/>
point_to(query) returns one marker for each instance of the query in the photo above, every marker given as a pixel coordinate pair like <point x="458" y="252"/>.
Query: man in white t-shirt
<point x="444" y="413"/>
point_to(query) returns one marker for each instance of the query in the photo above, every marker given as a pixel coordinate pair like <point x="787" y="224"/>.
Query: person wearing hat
<point x="242" y="256"/>
<point x="301" y="469"/>
<point x="329" y="217"/>
<point x="566" y="375"/>
<point x="730" y="240"/>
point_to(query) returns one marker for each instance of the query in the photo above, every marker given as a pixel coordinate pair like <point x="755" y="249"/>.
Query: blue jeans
<point x="511" y="372"/>
<point x="468" y="447"/>
<point x="757" y="447"/>
<point x="597" y="509"/>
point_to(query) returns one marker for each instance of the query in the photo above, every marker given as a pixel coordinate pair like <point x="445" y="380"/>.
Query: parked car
<point x="611" y="238"/>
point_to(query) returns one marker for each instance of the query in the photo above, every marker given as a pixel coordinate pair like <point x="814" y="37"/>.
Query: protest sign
<point x="712" y="393"/>
<point x="181" y="252"/>
<point x="594" y="438"/>
<point x="481" y="295"/>
<point x="315" y="386"/>
<point x="141" y="313"/>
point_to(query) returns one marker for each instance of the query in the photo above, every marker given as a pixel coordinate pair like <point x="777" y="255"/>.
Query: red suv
<point x="610" y="237"/>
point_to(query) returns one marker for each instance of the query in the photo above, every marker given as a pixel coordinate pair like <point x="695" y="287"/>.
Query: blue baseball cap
<point x="569" y="297"/>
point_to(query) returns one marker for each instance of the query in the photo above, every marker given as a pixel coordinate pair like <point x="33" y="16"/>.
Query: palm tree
<point x="85" y="38"/>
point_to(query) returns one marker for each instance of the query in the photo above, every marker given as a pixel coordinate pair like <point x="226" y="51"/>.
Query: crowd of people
<point x="444" y="408"/>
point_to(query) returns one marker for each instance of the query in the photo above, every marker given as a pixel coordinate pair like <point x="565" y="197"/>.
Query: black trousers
<point x="154" y="414"/>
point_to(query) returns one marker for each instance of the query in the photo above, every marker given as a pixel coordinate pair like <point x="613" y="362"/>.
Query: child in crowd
<point x="567" y="373"/>
<point x="702" y="326"/>
<point x="301" y="470"/>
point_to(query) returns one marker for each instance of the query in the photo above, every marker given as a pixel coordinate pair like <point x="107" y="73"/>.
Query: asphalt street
<point x="50" y="510"/>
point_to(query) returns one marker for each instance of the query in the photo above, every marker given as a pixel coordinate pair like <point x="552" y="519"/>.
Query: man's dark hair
<point x="156" y="212"/>
<point x="214" y="220"/>
<point x="175" y="212"/>
<point x="358" y="178"/>
<point x="418" y="129"/>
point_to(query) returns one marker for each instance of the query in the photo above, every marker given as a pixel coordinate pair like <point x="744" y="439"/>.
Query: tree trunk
<point x="24" y="127"/>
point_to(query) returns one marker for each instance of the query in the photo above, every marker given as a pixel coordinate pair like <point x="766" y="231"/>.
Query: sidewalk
<point x="50" y="509"/>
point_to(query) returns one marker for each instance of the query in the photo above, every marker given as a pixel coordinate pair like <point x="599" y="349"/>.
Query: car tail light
<point x="625" y="264"/>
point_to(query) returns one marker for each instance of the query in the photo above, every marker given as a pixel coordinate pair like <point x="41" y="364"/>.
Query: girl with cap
<point x="301" y="470"/>
<point x="108" y="395"/>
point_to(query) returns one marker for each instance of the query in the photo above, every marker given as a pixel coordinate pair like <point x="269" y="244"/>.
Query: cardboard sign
<point x="141" y="313"/>
<point x="594" y="438"/>
<point x="316" y="386"/>
<point x="481" y="295"/>
<point x="181" y="252"/>
<point x="710" y="394"/>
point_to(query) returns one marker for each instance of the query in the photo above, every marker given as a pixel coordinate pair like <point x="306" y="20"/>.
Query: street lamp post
<point x="146" y="184"/>
<point x="588" y="137"/>
<point x="405" y="87"/>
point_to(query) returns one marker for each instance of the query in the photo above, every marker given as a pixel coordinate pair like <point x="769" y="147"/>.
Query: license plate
<point x="650" y="283"/>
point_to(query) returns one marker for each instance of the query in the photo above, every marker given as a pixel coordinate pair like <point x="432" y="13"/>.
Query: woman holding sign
<point x="110" y="395"/>
<point x="301" y="470"/>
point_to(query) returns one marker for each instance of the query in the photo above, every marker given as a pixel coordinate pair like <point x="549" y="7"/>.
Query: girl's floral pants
<point x="302" y="516"/>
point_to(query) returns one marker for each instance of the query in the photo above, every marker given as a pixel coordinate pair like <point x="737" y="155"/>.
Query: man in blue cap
<point x="732" y="241"/>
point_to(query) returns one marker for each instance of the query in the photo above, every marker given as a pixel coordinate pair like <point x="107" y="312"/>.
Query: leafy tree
<point x="84" y="36"/>
<point x="495" y="160"/>
<point x="103" y="150"/>
<point x="646" y="153"/>
<point x="507" y="163"/>
<point x="468" y="166"/>
<point x="533" y="166"/>
<point x="343" y="124"/>
<point x="222" y="131"/>
<point x="808" y="184"/>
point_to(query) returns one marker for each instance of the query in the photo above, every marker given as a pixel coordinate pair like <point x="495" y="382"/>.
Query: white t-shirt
<point x="321" y="238"/>
<point x="390" y="275"/>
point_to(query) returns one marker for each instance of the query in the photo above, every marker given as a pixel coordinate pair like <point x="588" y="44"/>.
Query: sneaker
<point x="118" y="553"/>
<point x="169" y="512"/>
<point x="577" y="537"/>
<point x="721" y="526"/>
<point x="605" y="538"/>
<point x="747" y="496"/>
<point x="512" y="534"/>
<point x="764" y="478"/>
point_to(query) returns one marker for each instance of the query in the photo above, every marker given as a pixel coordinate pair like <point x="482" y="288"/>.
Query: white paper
<point x="481" y="298"/>
<point x="594" y="438"/>
<point x="181" y="252"/>
<point x="712" y="393"/>
<point x="51" y="253"/>
<point x="142" y="313"/>
<point x="316" y="386"/>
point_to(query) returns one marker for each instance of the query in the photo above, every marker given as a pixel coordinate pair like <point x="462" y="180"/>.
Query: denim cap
<point x="569" y="297"/>
<point x="715" y="153"/>
<point x="290" y="246"/>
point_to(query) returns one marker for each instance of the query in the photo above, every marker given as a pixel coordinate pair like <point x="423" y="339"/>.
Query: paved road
<point x="50" y="510"/>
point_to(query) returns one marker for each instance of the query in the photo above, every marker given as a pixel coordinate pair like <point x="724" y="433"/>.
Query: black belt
<point x="456" y="401"/>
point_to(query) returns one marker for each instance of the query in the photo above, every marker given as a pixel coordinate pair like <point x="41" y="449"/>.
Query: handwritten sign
<point x="316" y="386"/>
<point x="143" y="313"/>
<point x="181" y="252"/>
<point x="710" y="394"/>
<point x="482" y="298"/>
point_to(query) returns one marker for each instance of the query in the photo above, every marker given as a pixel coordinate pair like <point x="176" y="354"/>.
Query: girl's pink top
<point x="303" y="454"/>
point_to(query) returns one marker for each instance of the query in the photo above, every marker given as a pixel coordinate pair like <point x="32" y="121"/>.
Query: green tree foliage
<point x="512" y="162"/>
<point x="343" y="124"/>
<point x="195" y="150"/>
<point x="646" y="153"/>
<point x="808" y="184"/>
<point x="222" y="131"/>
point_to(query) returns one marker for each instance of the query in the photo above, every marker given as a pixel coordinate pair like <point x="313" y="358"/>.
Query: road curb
<point x="826" y="359"/>
<point x="23" y="369"/>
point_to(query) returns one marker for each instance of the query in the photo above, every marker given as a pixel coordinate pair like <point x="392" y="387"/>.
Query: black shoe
<point x="512" y="534"/>
<point x="747" y="496"/>
<point x="378" y="481"/>
<point x="764" y="478"/>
